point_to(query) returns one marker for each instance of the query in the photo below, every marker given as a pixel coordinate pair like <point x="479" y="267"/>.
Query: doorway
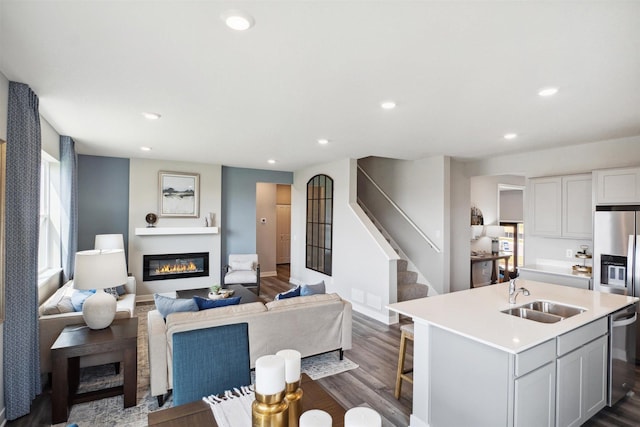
<point x="273" y="227"/>
<point x="510" y="216"/>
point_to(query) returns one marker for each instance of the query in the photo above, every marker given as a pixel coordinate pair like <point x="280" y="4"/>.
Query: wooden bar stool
<point x="407" y="334"/>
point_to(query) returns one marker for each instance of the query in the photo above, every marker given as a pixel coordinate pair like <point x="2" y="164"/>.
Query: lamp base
<point x="99" y="310"/>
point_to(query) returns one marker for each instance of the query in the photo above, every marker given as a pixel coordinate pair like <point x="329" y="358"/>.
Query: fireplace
<point x="175" y="266"/>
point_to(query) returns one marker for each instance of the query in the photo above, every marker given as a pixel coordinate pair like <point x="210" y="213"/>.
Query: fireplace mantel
<point x="164" y="231"/>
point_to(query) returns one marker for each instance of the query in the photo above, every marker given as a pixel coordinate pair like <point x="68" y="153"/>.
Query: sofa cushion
<point x="206" y="303"/>
<point x="166" y="305"/>
<point x="308" y="300"/>
<point x="59" y="302"/>
<point x="241" y="265"/>
<point x="314" y="289"/>
<point x="113" y="292"/>
<point x="295" y="292"/>
<point x="78" y="298"/>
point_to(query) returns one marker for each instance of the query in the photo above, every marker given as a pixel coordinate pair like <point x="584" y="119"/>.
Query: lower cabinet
<point x="581" y="383"/>
<point x="535" y="392"/>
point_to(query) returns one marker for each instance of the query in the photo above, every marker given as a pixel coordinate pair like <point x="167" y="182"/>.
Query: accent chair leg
<point x="160" y="400"/>
<point x="116" y="366"/>
<point x="341" y="354"/>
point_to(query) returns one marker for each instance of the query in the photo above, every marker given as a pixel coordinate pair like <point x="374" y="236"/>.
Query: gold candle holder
<point x="270" y="410"/>
<point x="294" y="399"/>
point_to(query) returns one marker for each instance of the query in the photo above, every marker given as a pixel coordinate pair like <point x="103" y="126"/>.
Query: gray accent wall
<point x="103" y="198"/>
<point x="239" y="207"/>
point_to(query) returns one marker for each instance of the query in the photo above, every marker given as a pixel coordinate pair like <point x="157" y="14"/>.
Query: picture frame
<point x="179" y="194"/>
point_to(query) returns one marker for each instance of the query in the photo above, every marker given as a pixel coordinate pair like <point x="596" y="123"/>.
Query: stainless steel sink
<point x="527" y="313"/>
<point x="544" y="311"/>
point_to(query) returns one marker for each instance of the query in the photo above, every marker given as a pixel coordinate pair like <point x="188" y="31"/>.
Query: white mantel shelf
<point x="165" y="231"/>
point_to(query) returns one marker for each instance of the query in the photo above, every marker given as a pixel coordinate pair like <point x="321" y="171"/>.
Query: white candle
<point x="291" y="365"/>
<point x="362" y="417"/>
<point x="269" y="375"/>
<point x="315" y="418"/>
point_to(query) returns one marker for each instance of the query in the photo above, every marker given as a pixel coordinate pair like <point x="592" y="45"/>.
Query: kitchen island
<point x="475" y="365"/>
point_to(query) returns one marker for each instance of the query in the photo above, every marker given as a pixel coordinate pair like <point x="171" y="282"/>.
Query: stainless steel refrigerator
<point x="616" y="259"/>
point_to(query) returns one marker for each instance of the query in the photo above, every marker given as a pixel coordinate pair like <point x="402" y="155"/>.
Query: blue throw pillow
<point x="295" y="292"/>
<point x="121" y="290"/>
<point x="206" y="303"/>
<point x="78" y="297"/>
<point x="166" y="305"/>
<point x="315" y="289"/>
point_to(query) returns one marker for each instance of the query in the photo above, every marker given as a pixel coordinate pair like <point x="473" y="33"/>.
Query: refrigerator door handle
<point x="635" y="286"/>
<point x="631" y="265"/>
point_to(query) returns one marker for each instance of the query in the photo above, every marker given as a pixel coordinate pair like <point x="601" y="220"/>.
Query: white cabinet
<point x="535" y="392"/>
<point x="617" y="186"/>
<point x="560" y="206"/>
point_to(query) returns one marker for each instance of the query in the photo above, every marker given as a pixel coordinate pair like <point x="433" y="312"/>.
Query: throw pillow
<point x="121" y="290"/>
<point x="114" y="292"/>
<point x="206" y="303"/>
<point x="241" y="265"/>
<point x="315" y="289"/>
<point x="295" y="292"/>
<point x="166" y="305"/>
<point x="78" y="298"/>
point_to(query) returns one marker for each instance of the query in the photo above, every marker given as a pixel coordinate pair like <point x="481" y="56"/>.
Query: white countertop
<point x="476" y="313"/>
<point x="554" y="269"/>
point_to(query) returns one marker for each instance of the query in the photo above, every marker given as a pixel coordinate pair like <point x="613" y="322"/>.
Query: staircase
<point x="408" y="286"/>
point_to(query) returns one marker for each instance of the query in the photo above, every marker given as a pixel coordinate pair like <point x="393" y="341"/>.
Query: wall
<point x="103" y="199"/>
<point x="4" y="100"/>
<point x="143" y="198"/>
<point x="362" y="268"/>
<point x="266" y="236"/>
<point x="459" y="220"/>
<point x="239" y="207"/>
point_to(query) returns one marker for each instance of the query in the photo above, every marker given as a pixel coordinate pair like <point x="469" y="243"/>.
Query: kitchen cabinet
<point x="560" y="206"/>
<point x="534" y="392"/>
<point x="617" y="186"/>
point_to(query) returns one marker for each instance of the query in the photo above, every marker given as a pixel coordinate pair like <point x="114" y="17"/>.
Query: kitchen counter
<point x="476" y="313"/>
<point x="554" y="269"/>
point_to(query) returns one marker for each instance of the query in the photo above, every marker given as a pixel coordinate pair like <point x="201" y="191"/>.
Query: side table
<point x="79" y="340"/>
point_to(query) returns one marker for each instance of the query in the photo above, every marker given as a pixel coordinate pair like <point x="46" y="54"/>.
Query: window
<point x="48" y="238"/>
<point x="319" y="223"/>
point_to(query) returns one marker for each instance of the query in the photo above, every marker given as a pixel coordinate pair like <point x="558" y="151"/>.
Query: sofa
<point x="55" y="312"/>
<point x="311" y="324"/>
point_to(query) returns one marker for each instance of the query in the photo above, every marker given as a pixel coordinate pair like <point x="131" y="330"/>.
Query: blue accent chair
<point x="209" y="361"/>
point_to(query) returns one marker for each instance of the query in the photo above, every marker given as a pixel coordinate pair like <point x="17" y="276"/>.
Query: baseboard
<point x="416" y="422"/>
<point x="268" y="273"/>
<point x="389" y="319"/>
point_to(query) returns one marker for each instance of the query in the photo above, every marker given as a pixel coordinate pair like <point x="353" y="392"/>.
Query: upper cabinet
<point x="560" y="206"/>
<point x="617" y="186"/>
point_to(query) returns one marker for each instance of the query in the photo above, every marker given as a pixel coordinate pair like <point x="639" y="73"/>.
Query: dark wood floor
<point x="375" y="349"/>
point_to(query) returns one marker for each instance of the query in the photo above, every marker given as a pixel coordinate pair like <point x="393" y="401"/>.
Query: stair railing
<point x="400" y="211"/>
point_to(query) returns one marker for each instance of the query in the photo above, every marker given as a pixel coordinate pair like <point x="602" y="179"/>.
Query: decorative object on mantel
<point x="270" y="408"/>
<point x="212" y="219"/>
<point x="476" y="216"/>
<point x="151" y="219"/>
<point x="179" y="194"/>
<point x="293" y="392"/>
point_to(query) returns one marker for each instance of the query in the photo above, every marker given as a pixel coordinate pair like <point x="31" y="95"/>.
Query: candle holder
<point x="293" y="397"/>
<point x="270" y="410"/>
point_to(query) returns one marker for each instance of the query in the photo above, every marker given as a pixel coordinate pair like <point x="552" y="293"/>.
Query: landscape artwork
<point x="179" y="194"/>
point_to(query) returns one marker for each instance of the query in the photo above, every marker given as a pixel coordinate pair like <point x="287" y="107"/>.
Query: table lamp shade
<point x="109" y="241"/>
<point x="99" y="269"/>
<point x="494" y="231"/>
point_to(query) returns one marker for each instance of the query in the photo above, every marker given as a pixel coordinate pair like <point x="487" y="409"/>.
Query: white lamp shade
<point x="109" y="241"/>
<point x="97" y="269"/>
<point x="494" y="231"/>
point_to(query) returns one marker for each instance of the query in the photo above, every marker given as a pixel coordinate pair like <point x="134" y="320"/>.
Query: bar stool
<point x="407" y="334"/>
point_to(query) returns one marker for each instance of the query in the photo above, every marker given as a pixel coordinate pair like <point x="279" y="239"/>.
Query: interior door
<point x="283" y="231"/>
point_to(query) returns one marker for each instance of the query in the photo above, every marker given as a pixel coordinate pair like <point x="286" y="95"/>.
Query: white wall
<point x="266" y="238"/>
<point x="361" y="268"/>
<point x="460" y="217"/>
<point x="143" y="198"/>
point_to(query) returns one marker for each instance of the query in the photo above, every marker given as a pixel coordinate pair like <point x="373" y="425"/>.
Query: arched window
<point x="320" y="223"/>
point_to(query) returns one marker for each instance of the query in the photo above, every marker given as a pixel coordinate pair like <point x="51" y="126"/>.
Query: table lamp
<point x="495" y="232"/>
<point x="109" y="241"/>
<point x="99" y="269"/>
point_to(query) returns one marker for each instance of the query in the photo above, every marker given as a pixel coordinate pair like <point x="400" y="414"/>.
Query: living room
<point x="229" y="171"/>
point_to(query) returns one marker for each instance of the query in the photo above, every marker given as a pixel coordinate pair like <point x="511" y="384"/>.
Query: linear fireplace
<point x="175" y="266"/>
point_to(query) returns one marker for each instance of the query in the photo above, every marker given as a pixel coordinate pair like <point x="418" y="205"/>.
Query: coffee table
<point x="78" y="340"/>
<point x="246" y="296"/>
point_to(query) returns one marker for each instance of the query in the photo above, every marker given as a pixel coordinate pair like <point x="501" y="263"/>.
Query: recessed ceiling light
<point x="151" y="116"/>
<point x="548" y="91"/>
<point x="145" y="148"/>
<point x="271" y="161"/>
<point x="323" y="141"/>
<point x="388" y="105"/>
<point x="510" y="135"/>
<point x="237" y="20"/>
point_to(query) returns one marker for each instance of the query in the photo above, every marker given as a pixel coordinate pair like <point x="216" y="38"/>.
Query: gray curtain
<point x="20" y="345"/>
<point x="69" y="204"/>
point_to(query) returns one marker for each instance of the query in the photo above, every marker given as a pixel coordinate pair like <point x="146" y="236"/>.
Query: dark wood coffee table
<point x="198" y="413"/>
<point x="245" y="294"/>
<point x="78" y="340"/>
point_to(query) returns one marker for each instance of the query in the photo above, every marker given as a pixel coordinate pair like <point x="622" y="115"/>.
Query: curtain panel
<point x="69" y="205"/>
<point x="20" y="345"/>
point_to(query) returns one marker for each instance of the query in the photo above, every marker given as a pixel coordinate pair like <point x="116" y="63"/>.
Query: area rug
<point x="110" y="411"/>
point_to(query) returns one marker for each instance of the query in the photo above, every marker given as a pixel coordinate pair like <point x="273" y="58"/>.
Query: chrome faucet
<point x="513" y="293"/>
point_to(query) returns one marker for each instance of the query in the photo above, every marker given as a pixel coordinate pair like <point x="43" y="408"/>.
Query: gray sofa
<point x="59" y="305"/>
<point x="311" y="324"/>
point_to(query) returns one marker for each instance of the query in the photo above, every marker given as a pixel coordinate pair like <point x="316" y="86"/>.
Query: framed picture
<point x="179" y="194"/>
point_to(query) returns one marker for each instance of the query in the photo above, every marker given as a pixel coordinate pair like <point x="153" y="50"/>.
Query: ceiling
<point x="463" y="73"/>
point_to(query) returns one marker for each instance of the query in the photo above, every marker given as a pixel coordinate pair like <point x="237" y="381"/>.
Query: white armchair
<point x="243" y="269"/>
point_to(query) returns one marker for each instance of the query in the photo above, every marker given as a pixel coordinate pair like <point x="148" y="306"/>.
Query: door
<point x="283" y="233"/>
<point x="614" y="246"/>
